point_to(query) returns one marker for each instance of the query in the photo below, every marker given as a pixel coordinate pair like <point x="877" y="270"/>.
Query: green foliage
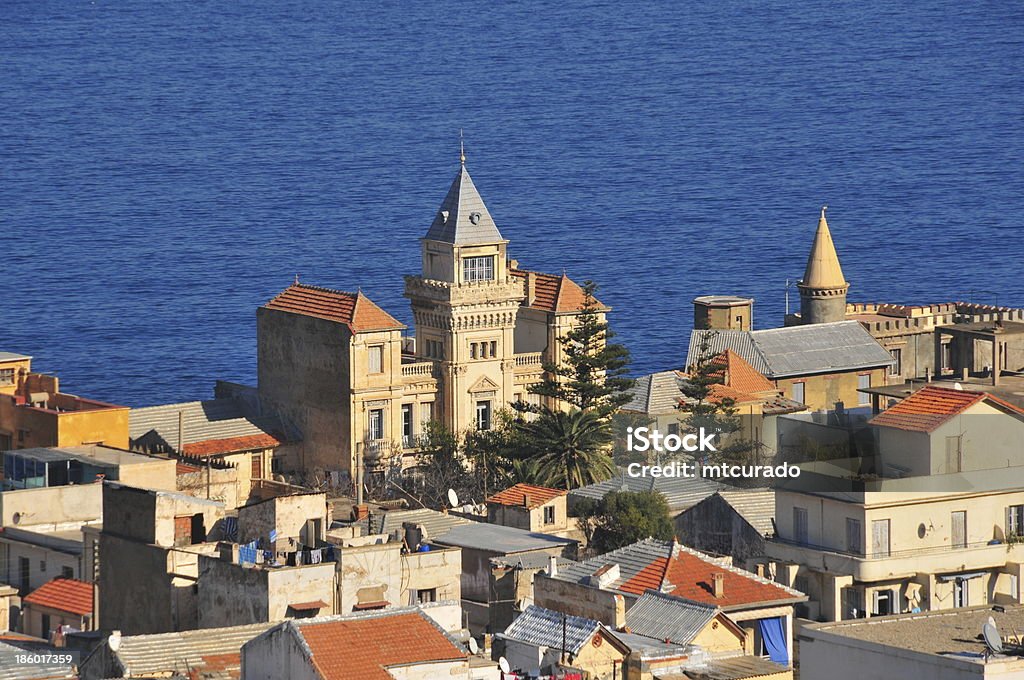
<point x="593" y="373"/>
<point x="717" y="415"/>
<point x="622" y="518"/>
<point x="570" y="448"/>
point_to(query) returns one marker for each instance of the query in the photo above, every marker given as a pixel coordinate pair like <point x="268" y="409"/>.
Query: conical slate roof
<point x="463" y="219"/>
<point x="823" y="270"/>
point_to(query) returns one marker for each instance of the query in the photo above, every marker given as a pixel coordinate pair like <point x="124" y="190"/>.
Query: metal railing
<point x="889" y="554"/>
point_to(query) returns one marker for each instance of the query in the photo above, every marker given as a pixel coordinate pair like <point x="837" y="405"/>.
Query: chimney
<point x="360" y="511"/>
<point x="531" y="288"/>
<point x="718" y="584"/>
<point x="526" y="500"/>
<point x="552" y="566"/>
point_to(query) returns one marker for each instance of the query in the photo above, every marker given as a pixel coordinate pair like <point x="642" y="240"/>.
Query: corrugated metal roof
<point x="656" y="393"/>
<point x="499" y="539"/>
<point x="740" y="342"/>
<point x="757" y="506"/>
<point x="11" y="669"/>
<point x="664" y="617"/>
<point x="463" y="219"/>
<point x="433" y="522"/>
<point x="798" y="350"/>
<point x="632" y="559"/>
<point x="679" y="492"/>
<point x="168" y="652"/>
<point x="543" y="627"/>
<point x="204" y="420"/>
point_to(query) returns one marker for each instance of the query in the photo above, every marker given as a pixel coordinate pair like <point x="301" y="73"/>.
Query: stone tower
<point x="823" y="288"/>
<point x="464" y="308"/>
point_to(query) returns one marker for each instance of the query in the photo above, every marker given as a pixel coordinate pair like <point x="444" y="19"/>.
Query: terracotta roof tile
<point x="740" y="375"/>
<point x="355" y="310"/>
<point x="213" y="447"/>
<point x="65" y="594"/>
<point x="687" y="573"/>
<point x="691" y="575"/>
<point x="361" y="649"/>
<point x="554" y="293"/>
<point x="931" y="406"/>
<point x="537" y="495"/>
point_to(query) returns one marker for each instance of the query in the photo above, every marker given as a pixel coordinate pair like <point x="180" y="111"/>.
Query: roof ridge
<point x="739" y="571"/>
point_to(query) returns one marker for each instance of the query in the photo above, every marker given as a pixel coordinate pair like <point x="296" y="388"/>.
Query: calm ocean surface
<point x="165" y="168"/>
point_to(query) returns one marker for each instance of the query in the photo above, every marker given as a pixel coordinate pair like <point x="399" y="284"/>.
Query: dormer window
<point x="478" y="268"/>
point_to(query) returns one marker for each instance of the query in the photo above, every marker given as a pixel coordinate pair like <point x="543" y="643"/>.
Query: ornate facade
<point x="346" y="374"/>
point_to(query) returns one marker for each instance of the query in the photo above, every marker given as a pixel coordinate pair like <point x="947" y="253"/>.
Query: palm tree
<point x="571" y="447"/>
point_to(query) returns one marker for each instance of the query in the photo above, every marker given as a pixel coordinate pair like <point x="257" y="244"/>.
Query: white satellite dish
<point x="114" y="641"/>
<point x="503" y="665"/>
<point x="473" y="646"/>
<point x="993" y="640"/>
<point x="453" y="498"/>
<point x="958" y="386"/>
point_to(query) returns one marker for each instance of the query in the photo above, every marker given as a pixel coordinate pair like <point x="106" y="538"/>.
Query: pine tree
<point x="593" y="373"/>
<point x="715" y="414"/>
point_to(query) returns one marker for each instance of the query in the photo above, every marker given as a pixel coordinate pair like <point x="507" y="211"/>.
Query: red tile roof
<point x="740" y="375"/>
<point x="355" y="310"/>
<point x="214" y="447"/>
<point x="64" y="594"/>
<point x="361" y="649"/>
<point x="931" y="406"/>
<point x="690" y="574"/>
<point x="537" y="495"/>
<point x="556" y="293"/>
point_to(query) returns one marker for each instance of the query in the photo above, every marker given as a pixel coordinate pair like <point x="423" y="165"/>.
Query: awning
<point x="946" y="578"/>
<point x="306" y="606"/>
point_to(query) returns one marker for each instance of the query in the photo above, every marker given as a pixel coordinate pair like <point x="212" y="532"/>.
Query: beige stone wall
<point x="578" y="600"/>
<point x="822" y="392"/>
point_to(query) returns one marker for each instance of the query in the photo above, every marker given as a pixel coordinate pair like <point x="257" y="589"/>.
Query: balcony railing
<point x="889" y="554"/>
<point x="420" y="368"/>
<point x="530" y="359"/>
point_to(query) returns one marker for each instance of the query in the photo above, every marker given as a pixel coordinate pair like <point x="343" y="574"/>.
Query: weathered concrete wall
<point x="287" y="514"/>
<point x="713" y="526"/>
<point x="276" y="654"/>
<point x="370" y="573"/>
<point x="136" y="592"/>
<point x="157" y="473"/>
<point x="129" y="512"/>
<point x="43" y="563"/>
<point x="579" y="600"/>
<point x="53" y="507"/>
<point x="303" y="372"/>
<point x="438" y="570"/>
<point x="224" y="485"/>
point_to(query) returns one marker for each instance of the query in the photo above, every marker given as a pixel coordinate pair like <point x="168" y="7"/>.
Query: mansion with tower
<point x="345" y="373"/>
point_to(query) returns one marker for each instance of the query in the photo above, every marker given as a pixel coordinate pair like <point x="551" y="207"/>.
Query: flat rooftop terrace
<point x="954" y="632"/>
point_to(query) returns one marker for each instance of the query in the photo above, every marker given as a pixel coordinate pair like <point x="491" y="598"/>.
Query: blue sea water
<point x="166" y="167"/>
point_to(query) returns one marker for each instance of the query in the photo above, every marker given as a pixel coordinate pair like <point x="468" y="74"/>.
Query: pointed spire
<point x="462" y="149"/>
<point x="463" y="218"/>
<point x="823" y="269"/>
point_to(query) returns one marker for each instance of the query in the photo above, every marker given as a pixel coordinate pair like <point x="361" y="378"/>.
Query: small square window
<point x="549" y="514"/>
<point x="478" y="268"/>
<point x="6" y="376"/>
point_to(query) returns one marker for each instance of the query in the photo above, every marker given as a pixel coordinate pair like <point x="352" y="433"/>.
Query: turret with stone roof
<point x="823" y="288"/>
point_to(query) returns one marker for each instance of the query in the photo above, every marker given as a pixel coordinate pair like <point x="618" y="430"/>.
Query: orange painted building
<point x="35" y="413"/>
